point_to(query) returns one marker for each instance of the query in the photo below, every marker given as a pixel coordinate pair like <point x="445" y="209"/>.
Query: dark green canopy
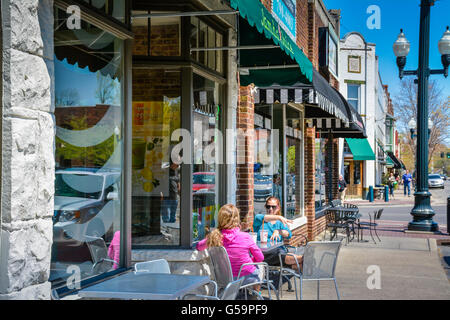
<point x="258" y="27"/>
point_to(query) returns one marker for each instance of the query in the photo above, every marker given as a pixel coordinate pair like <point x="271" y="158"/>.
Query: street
<point x="401" y="212"/>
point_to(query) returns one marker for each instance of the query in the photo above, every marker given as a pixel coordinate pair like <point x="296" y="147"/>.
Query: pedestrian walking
<point x="407" y="178"/>
<point x="392" y="181"/>
<point x="342" y="185"/>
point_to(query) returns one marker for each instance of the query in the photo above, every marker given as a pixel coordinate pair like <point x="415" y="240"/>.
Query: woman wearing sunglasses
<point x="277" y="227"/>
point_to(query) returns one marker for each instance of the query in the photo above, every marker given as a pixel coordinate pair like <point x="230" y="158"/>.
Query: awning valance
<point x="397" y="164"/>
<point x="258" y="27"/>
<point x="360" y="149"/>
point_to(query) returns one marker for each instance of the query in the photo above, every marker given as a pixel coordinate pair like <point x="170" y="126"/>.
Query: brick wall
<point x="245" y="156"/>
<point x="267" y="4"/>
<point x="164" y="40"/>
<point x="309" y="172"/>
<point x="302" y="25"/>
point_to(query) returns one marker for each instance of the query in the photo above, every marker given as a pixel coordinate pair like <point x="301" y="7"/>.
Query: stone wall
<point x="27" y="149"/>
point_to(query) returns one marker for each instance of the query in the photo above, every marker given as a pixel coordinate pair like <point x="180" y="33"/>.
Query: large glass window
<point x="155" y="174"/>
<point x="157" y="36"/>
<point x="207" y="156"/>
<point x="320" y="175"/>
<point x="113" y="8"/>
<point x="294" y="161"/>
<point x="267" y="180"/>
<point x="204" y="36"/>
<point x="88" y="66"/>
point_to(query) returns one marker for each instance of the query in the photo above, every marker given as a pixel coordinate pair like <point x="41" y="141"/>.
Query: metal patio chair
<point x="335" y="219"/>
<point x="285" y="272"/>
<point x="224" y="275"/>
<point x="373" y="223"/>
<point x="153" y="266"/>
<point x="99" y="254"/>
<point x="229" y="293"/>
<point x="319" y="264"/>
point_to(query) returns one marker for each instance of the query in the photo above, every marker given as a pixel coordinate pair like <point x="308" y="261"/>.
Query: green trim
<point x="360" y="149"/>
<point x="258" y="16"/>
<point x="355" y="81"/>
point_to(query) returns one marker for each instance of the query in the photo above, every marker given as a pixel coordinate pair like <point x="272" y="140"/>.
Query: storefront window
<point x="204" y="36"/>
<point x="158" y="36"/>
<point x="321" y="166"/>
<point x="205" y="187"/>
<point x="294" y="161"/>
<point x="357" y="172"/>
<point x="89" y="151"/>
<point x="267" y="182"/>
<point x="155" y="174"/>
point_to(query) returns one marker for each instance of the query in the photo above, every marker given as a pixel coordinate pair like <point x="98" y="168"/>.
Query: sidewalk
<point x="398" y="200"/>
<point x="409" y="268"/>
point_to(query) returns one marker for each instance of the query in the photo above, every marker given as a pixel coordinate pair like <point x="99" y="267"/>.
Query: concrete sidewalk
<point x="409" y="268"/>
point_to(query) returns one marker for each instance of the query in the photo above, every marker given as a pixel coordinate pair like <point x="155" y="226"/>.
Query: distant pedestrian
<point x="342" y="185"/>
<point x="407" y="178"/>
<point x="391" y="184"/>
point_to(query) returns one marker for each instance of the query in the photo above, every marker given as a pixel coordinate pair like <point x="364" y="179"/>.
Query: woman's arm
<point x="274" y="217"/>
<point x="257" y="255"/>
<point x="201" y="245"/>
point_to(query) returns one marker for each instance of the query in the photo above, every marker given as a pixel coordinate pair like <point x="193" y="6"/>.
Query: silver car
<point x="85" y="204"/>
<point x="435" y="181"/>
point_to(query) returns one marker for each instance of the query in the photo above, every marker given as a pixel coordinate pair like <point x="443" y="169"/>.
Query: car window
<point x="434" y="176"/>
<point x="78" y="185"/>
<point x="204" y="179"/>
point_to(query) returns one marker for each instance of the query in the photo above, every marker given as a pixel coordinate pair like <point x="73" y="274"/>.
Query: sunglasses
<point x="273" y="207"/>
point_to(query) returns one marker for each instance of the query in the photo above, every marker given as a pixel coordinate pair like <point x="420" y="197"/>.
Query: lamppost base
<point x="422" y="214"/>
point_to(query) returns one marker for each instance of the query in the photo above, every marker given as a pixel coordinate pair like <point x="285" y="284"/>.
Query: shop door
<point x="353" y="176"/>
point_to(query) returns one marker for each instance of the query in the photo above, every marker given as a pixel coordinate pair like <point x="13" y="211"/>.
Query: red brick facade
<point x="308" y="23"/>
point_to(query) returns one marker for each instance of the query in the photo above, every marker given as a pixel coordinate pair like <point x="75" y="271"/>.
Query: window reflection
<point x="88" y="114"/>
<point x="205" y="187"/>
<point x="155" y="174"/>
<point x="320" y="175"/>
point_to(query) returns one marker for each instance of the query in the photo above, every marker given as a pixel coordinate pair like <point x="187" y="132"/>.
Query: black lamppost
<point x="422" y="212"/>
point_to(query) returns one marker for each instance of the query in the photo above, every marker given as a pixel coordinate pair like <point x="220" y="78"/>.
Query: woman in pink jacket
<point x="239" y="245"/>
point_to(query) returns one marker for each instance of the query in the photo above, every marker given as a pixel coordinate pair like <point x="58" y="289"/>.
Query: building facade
<point x="122" y="125"/>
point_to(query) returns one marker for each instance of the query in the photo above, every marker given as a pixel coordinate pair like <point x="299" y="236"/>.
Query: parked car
<point x="203" y="181"/>
<point x="435" y="181"/>
<point x="262" y="186"/>
<point x="84" y="204"/>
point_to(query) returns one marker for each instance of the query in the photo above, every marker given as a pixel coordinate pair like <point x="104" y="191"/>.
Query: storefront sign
<point x="269" y="23"/>
<point x="284" y="11"/>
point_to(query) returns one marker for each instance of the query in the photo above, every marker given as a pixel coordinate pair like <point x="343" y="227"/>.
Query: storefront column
<point x="28" y="167"/>
<point x="245" y="155"/>
<point x="309" y="172"/>
<point x="336" y="169"/>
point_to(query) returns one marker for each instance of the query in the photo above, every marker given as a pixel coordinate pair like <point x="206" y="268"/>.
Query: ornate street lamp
<point x="422" y="212"/>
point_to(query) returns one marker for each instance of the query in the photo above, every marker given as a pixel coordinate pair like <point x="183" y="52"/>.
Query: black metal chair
<point x="335" y="219"/>
<point x="353" y="218"/>
<point x="373" y="223"/>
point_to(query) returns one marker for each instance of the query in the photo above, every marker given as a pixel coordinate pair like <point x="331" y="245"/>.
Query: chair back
<point x="336" y="203"/>
<point x="221" y="266"/>
<point x="232" y="289"/>
<point x="99" y="254"/>
<point x="153" y="266"/>
<point x="377" y="215"/>
<point x="319" y="260"/>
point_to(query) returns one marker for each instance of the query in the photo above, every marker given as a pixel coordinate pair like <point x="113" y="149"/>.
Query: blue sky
<point x="396" y="14"/>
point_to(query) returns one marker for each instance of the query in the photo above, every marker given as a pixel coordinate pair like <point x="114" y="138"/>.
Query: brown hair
<point x="278" y="212"/>
<point x="228" y="219"/>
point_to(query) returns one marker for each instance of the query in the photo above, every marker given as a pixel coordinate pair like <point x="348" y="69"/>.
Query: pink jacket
<point x="239" y="245"/>
<point x="114" y="249"/>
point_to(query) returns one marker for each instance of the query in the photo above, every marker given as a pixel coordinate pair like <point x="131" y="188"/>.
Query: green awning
<point x="269" y="32"/>
<point x="360" y="149"/>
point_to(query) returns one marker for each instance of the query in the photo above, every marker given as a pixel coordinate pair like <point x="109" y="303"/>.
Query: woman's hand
<point x="275" y="235"/>
<point x="284" y="220"/>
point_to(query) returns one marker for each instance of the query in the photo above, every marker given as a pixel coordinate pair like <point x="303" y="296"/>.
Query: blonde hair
<point x="228" y="219"/>
<point x="278" y="212"/>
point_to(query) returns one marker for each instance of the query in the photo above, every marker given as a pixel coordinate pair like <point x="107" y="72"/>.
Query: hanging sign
<point x="284" y="11"/>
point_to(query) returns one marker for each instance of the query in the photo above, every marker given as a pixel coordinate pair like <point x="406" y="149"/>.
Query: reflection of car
<point x="203" y="181"/>
<point x="262" y="186"/>
<point x="83" y="206"/>
<point x="435" y="181"/>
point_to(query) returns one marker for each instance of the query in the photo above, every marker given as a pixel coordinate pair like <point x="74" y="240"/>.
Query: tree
<point x="67" y="97"/>
<point x="439" y="111"/>
<point x="107" y="89"/>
